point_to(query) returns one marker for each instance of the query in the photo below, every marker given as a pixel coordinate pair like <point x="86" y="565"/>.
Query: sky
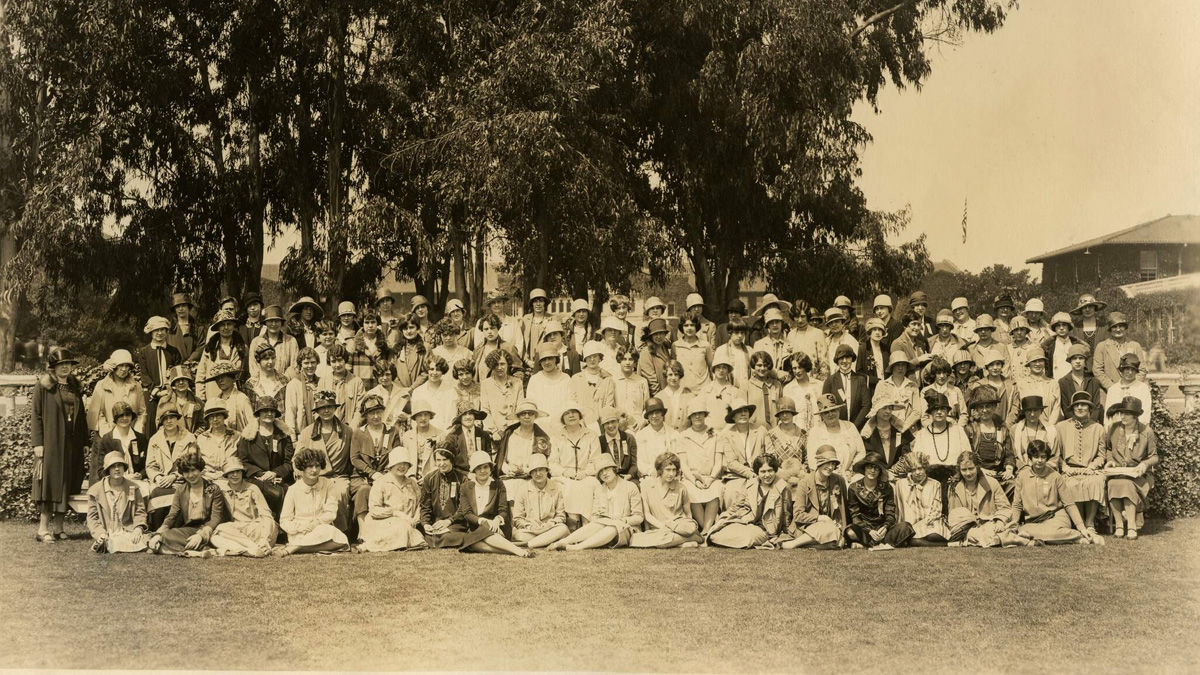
<point x="1074" y="120"/>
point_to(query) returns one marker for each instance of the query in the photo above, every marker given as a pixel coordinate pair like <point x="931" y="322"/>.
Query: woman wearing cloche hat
<point x="872" y="502"/>
<point x="1082" y="439"/>
<point x="251" y="529"/>
<point x="118" y="385"/>
<point x="819" y="504"/>
<point x="573" y="455"/>
<point x="58" y="434"/>
<point x="702" y="462"/>
<point x="1132" y="453"/>
<point x="484" y="509"/>
<point x="539" y="508"/>
<point x="617" y="512"/>
<point x="395" y="507"/>
<point x="116" y="515"/>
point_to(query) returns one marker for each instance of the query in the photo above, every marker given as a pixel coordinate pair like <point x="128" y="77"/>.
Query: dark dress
<point x="107" y="443"/>
<point x="871" y="509"/>
<point x="440" y="495"/>
<point x="469" y="515"/>
<point x="260" y="454"/>
<point x="59" y="425"/>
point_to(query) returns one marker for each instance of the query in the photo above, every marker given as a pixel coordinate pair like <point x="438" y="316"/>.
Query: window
<point x="1149" y="265"/>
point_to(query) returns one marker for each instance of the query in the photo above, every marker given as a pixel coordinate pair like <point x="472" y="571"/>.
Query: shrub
<point x="1176" y="492"/>
<point x="16" y="467"/>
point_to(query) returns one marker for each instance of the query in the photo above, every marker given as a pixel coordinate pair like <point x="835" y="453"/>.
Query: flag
<point x="964" y="220"/>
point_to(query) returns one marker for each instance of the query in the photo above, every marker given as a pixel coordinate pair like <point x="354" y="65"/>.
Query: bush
<point x="1176" y="492"/>
<point x="16" y="468"/>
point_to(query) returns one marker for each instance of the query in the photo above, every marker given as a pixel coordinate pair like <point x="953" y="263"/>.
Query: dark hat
<point x="122" y="408"/>
<point x="736" y="305"/>
<point x="1129" y="404"/>
<point x="814" y="316"/>
<point x="1083" y="397"/>
<point x="871" y="458"/>
<point x="1117" y="319"/>
<point x="786" y="404"/>
<point x="263" y="349"/>
<point x="324" y="399"/>
<point x="918" y="298"/>
<point x="372" y="402"/>
<point x="1032" y="403"/>
<point x="936" y="399"/>
<point x="479" y="414"/>
<point x="273" y="312"/>
<point x="842" y="352"/>
<point x="654" y="405"/>
<point x="1130" y="360"/>
<point x="307" y="301"/>
<point x="657" y="326"/>
<point x="61" y="355"/>
<point x="1003" y="300"/>
<point x="251" y="298"/>
<point x="182" y="299"/>
<point x="265" y="403"/>
<point x="984" y="394"/>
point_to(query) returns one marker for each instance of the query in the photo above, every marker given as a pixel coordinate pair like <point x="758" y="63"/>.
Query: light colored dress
<point x="1039" y="498"/>
<point x="534" y="509"/>
<point x="651" y="444"/>
<point x="250" y="517"/>
<point x="443" y="401"/>
<point x="847" y="442"/>
<point x="695" y="357"/>
<point x="499" y="401"/>
<point x="619" y="507"/>
<point x="698" y="455"/>
<point x="919" y="504"/>
<point x="577" y="454"/>
<point x="394" y="511"/>
<point x="1083" y="448"/>
<point x="663" y="505"/>
<point x="805" y="396"/>
<point x="309" y="512"/>
<point x="552" y="394"/>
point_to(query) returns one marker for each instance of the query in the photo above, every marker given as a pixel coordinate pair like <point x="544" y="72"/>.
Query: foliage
<point x="980" y="289"/>
<point x="1176" y="492"/>
<point x="16" y="468"/>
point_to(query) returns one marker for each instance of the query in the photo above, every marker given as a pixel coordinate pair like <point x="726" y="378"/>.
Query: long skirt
<point x="231" y="537"/>
<point x="699" y="495"/>
<point x="175" y="539"/>
<point x="1054" y="530"/>
<point x="824" y="532"/>
<point x="395" y="533"/>
<point x="897" y="535"/>
<point x="1133" y="489"/>
<point x="126" y="541"/>
<point x="739" y="535"/>
<point x="321" y="534"/>
<point x="61" y="476"/>
<point x="578" y="494"/>
<point x="1088" y="488"/>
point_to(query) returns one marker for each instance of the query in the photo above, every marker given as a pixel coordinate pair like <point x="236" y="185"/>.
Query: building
<point x="1156" y="257"/>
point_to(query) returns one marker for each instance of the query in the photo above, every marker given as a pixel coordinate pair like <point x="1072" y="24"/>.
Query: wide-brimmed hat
<point x="537" y="461"/>
<point x="307" y="301"/>
<point x="419" y="406"/>
<point x="182" y="299"/>
<point x="479" y="458"/>
<point x="657" y="326"/>
<point x="959" y="303"/>
<point x="826" y="403"/>
<point x="871" y="458"/>
<point x="842" y="302"/>
<point x="346" y="307"/>
<point x="538" y="294"/>
<point x="1003" y="300"/>
<point x="936" y="400"/>
<point x="114" y="457"/>
<point x="156" y="323"/>
<point x="123" y="408"/>
<point x="785" y="405"/>
<point x="233" y="464"/>
<point x="1018" y="322"/>
<point x="696" y="407"/>
<point x="215" y="407"/>
<point x="221" y="369"/>
<point x="1035" y="354"/>
<point x="526" y="405"/>
<point x="767" y="301"/>
<point x="1128" y="404"/>
<point x="372" y="402"/>
<point x="605" y="462"/>
<point x="944" y="316"/>
<point x="988" y="356"/>
<point x="401" y="455"/>
<point x="547" y="351"/>
<point x="882" y="300"/>
<point x="1129" y="360"/>
<point x="984" y="322"/>
<point x="1032" y="403"/>
<point x="834" y="314"/>
<point x="608" y="414"/>
<point x="479" y="414"/>
<point x="895" y="358"/>
<point x="1034" y="305"/>
<point x="612" y="323"/>
<point x="119" y="357"/>
<point x="984" y="394"/>
<point x="1081" y="397"/>
<point x="842" y="352"/>
<point x="273" y="313"/>
<point x="495" y="296"/>
<point x="418" y="301"/>
<point x="1116" y="319"/>
<point x="886" y="400"/>
<point x="738" y="404"/>
<point x="1088" y="299"/>
<point x="226" y="316"/>
<point x="652" y="302"/>
<point x="1078" y="350"/>
<point x="1061" y="317"/>
<point x="593" y="348"/>
<point x="918" y="298"/>
<point x="265" y="403"/>
<point x="326" y="399"/>
<point x="580" y="305"/>
<point x="824" y="455"/>
<point x="693" y="299"/>
<point x="653" y="404"/>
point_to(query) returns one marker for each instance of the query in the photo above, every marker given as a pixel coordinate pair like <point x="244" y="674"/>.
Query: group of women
<point x="281" y="433"/>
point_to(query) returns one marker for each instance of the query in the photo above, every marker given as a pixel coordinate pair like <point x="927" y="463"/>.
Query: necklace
<point x="934" y="436"/>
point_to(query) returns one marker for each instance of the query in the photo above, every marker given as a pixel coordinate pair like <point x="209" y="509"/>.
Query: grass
<point x="1124" y="607"/>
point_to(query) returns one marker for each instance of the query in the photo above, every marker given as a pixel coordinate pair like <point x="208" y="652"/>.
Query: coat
<point x="807" y="504"/>
<point x="214" y="510"/>
<point x="106" y="444"/>
<point x="859" y="404"/>
<point x="256" y="455"/>
<point x="541" y="445"/>
<point x="102" y="518"/>
<point x="146" y="360"/>
<point x="497" y="505"/>
<point x="63" y="440"/>
<point x="625" y="456"/>
<point x="456" y="442"/>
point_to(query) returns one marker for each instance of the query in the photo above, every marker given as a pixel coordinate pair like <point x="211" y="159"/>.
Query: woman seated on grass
<point x="539" y="508"/>
<point x="980" y="513"/>
<point x="668" y="512"/>
<point x="1131" y="446"/>
<point x="872" y="502"/>
<point x="196" y="510"/>
<point x="116" y="516"/>
<point x="441" y="492"/>
<point x="251" y="530"/>
<point x="484" y="510"/>
<point x="919" y="499"/>
<point x="1038" y="497"/>
<point x="395" y="507"/>
<point x="758" y="513"/>
<point x="310" y="508"/>
<point x="616" y="512"/>
<point x="819" y="510"/>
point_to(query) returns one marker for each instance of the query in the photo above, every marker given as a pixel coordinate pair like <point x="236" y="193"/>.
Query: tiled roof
<point x="1165" y="230"/>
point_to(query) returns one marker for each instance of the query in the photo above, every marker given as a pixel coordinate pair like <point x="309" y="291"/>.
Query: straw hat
<point x="826" y="403"/>
<point x="1034" y="305"/>
<point x="1061" y="317"/>
<point x="605" y="462"/>
<point x="526" y="405"/>
<point x="580" y="305"/>
<point x="222" y="369"/>
<point x="883" y="300"/>
<point x="984" y="322"/>
<point x="215" y="408"/>
<point x="959" y="303"/>
<point x="401" y="455"/>
<point x="834" y="314"/>
<point x="306" y="301"/>
<point x="1089" y="300"/>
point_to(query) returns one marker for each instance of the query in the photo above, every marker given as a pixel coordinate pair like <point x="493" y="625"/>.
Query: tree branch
<point x="881" y="16"/>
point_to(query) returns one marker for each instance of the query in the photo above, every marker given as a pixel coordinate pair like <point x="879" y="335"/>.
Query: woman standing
<point x="500" y="392"/>
<point x="185" y="334"/>
<point x="120" y="385"/>
<point x="694" y="352"/>
<point x="654" y="355"/>
<point x="58" y="434"/>
<point x="304" y="313"/>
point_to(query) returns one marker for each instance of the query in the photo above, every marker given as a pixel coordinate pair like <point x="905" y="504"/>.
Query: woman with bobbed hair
<point x="980" y="513"/>
<point x="436" y="391"/>
<point x="669" y="522"/>
<point x="500" y="392"/>
<point x="1038" y="498"/>
<point x="310" y="508"/>
<point x="758" y="513"/>
<point x="196" y="510"/>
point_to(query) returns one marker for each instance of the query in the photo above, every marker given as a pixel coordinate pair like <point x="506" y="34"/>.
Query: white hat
<point x="401" y="455"/>
<point x="593" y="348"/>
<point x="696" y="406"/>
<point x="772" y="314"/>
<point x="883" y="300"/>
<point x="120" y="357"/>
<point x="553" y="326"/>
<point x="478" y="459"/>
<point x="580" y="304"/>
<point x="453" y="304"/>
<point x="346" y="307"/>
<point x="1035" y="305"/>
<point x="652" y="302"/>
<point x="612" y="323"/>
<point x="694" y="299"/>
<point x="422" y="406"/>
<point x="959" y="303"/>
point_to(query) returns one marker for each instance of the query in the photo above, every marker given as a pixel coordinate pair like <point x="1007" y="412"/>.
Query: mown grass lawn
<point x="1124" y="607"/>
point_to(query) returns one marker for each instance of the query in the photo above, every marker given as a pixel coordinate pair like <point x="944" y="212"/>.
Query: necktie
<point x="162" y="364"/>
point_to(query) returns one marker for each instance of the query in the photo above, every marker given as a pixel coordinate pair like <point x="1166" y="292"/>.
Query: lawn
<point x="1124" y="607"/>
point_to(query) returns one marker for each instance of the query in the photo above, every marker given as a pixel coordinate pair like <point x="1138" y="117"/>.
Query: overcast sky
<point x="1073" y="120"/>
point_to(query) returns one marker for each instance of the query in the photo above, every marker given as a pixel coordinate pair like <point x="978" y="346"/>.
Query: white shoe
<point x="882" y="547"/>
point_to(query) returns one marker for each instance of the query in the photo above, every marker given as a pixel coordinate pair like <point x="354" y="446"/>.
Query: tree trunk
<point x="252" y="279"/>
<point x="480" y="268"/>
<point x="10" y="300"/>
<point x="458" y="269"/>
<point x="337" y="257"/>
<point x="8" y="243"/>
